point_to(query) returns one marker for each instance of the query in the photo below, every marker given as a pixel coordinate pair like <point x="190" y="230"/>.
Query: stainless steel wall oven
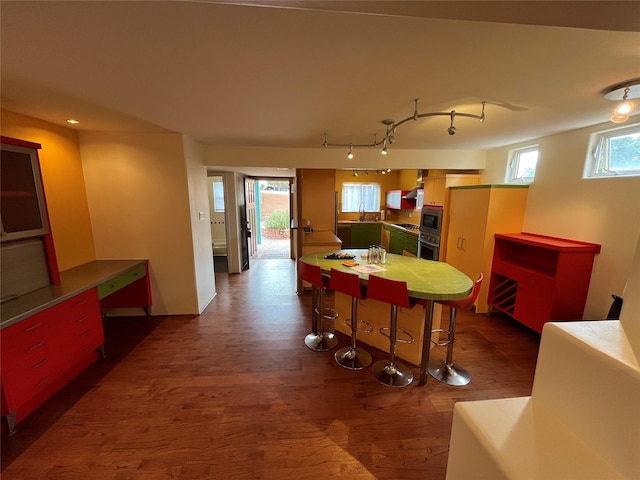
<point x="430" y="231"/>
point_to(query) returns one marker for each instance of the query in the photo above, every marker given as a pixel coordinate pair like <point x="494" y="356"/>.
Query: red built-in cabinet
<point x="536" y="278"/>
<point x="43" y="352"/>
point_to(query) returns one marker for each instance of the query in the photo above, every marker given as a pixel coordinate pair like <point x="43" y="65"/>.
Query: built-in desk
<point x="50" y="335"/>
<point x="426" y="280"/>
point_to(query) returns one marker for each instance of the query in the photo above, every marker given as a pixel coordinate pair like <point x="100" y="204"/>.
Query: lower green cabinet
<point x="363" y="235"/>
<point x="401" y="241"/>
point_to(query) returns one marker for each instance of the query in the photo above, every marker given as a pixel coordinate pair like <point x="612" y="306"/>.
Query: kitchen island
<point x="426" y="280"/>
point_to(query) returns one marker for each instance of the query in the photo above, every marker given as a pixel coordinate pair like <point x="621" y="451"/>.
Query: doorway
<point x="273" y="213"/>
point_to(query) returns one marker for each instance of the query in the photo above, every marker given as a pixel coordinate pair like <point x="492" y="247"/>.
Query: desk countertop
<point x="72" y="282"/>
<point x="425" y="278"/>
<point x="321" y="237"/>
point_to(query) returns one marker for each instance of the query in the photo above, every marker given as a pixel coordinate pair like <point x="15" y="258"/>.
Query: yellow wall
<point x="64" y="185"/>
<point x="388" y="181"/>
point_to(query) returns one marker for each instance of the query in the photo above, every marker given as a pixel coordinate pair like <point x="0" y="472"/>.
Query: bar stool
<point x="318" y="339"/>
<point x="389" y="372"/>
<point x="353" y="357"/>
<point x="446" y="371"/>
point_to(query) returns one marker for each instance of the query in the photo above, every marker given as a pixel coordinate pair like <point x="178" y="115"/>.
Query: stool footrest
<point x="347" y="322"/>
<point x="446" y="342"/>
<point x="384" y="331"/>
<point x="328" y="313"/>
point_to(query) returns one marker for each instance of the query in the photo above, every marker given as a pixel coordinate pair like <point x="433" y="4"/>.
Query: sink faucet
<point x="361" y="210"/>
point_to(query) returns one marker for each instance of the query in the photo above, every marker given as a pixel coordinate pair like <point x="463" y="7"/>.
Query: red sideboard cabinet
<point x="536" y="278"/>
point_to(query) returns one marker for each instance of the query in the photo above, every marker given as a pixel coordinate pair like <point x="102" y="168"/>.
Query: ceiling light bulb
<point x="384" y="151"/>
<point x="618" y="118"/>
<point x="72" y="121"/>
<point x="625" y="108"/>
<point x="350" y="154"/>
<point x="355" y="173"/>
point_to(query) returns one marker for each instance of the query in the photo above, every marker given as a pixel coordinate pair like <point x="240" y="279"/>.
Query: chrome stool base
<point x="321" y="343"/>
<point x="353" y="358"/>
<point x="451" y="374"/>
<point x="392" y="374"/>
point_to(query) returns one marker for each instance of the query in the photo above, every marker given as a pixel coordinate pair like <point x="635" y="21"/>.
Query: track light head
<point x="451" y="130"/>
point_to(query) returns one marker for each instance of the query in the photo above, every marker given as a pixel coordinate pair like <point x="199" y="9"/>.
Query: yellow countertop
<point x="321" y="237"/>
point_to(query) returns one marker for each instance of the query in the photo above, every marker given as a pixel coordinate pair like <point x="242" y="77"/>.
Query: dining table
<point x="427" y="280"/>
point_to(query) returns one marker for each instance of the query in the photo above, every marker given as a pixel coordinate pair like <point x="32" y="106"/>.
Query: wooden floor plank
<point x="234" y="393"/>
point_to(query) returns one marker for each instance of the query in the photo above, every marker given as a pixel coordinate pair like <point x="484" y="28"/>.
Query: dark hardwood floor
<point x="235" y="394"/>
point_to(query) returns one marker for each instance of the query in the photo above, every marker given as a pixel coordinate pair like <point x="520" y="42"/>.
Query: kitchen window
<point x="522" y="165"/>
<point x="614" y="153"/>
<point x="357" y="195"/>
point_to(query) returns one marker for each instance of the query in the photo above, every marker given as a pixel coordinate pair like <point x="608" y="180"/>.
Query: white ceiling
<point x="259" y="75"/>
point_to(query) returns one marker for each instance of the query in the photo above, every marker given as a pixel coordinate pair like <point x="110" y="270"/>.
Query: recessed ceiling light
<point x="72" y="121"/>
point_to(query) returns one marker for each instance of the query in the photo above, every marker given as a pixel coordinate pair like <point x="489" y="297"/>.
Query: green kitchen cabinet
<point x="400" y="241"/>
<point x="364" y="235"/>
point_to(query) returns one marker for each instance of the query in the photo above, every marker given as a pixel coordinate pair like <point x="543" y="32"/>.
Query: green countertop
<point x="425" y="278"/>
<point x="72" y="282"/>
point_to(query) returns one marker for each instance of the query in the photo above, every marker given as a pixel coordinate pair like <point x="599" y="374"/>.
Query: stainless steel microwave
<point x="431" y="220"/>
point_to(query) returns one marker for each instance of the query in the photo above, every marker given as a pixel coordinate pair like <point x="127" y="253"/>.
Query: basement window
<point x="356" y="195"/>
<point x="522" y="165"/>
<point x="614" y="153"/>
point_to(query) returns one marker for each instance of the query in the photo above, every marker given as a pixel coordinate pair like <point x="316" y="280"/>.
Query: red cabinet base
<point x="536" y="279"/>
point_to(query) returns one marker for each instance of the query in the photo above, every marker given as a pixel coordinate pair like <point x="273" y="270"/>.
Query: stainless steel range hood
<point x="413" y="193"/>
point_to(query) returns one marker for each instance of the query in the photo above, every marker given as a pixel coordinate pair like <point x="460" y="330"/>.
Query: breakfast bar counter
<point x="426" y="280"/>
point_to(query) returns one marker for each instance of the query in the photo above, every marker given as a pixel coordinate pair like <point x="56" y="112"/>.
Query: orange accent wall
<point x="64" y="185"/>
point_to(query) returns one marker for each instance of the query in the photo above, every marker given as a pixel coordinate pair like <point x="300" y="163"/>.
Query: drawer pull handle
<point x="32" y="327"/>
<point x="84" y="334"/>
<point x="82" y="319"/>
<point x="37" y="345"/>
<point x="43" y="381"/>
<point x="81" y="302"/>
<point x="136" y="274"/>
<point x="39" y="364"/>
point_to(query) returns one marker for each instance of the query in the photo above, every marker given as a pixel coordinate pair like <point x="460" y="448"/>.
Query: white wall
<point x="137" y="191"/>
<point x="563" y="204"/>
<point x="200" y="222"/>
<point x="321" y="157"/>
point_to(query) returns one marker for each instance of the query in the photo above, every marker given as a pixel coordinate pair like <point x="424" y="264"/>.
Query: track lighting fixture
<point x="392" y="126"/>
<point x="622" y="92"/>
<point x="384" y="171"/>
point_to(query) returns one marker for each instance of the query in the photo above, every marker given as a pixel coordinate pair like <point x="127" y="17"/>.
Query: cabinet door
<point x="467" y="230"/>
<point x="365" y="235"/>
<point x="393" y="199"/>
<point x="396" y="242"/>
<point x="22" y="208"/>
<point x="410" y="244"/>
<point x="28" y="359"/>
